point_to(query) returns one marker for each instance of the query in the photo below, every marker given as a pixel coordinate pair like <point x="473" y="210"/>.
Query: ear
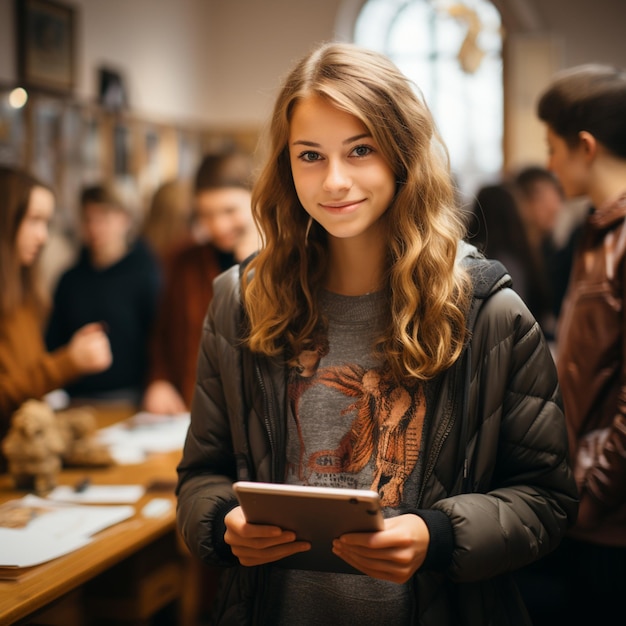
<point x="588" y="144"/>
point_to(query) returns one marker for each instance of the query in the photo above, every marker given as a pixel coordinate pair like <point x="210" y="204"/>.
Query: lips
<point x="341" y="206"/>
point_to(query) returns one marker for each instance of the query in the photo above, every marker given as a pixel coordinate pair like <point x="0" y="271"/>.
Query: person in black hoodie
<point x="115" y="282"/>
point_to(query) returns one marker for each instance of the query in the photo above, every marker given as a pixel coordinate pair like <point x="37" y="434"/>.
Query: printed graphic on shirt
<point x="373" y="428"/>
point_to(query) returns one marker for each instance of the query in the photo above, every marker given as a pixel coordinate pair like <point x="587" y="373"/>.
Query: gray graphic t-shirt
<point x="349" y="426"/>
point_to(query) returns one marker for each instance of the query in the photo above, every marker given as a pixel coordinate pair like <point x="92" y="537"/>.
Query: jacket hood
<point x="488" y="275"/>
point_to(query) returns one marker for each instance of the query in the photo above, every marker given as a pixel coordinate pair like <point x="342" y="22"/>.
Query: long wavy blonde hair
<point x="428" y="291"/>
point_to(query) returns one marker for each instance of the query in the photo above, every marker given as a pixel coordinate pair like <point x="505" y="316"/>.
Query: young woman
<point x="583" y="111"/>
<point x="26" y="369"/>
<point x="354" y="357"/>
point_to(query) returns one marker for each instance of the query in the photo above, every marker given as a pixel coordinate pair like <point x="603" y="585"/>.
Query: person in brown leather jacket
<point x="584" y="111"/>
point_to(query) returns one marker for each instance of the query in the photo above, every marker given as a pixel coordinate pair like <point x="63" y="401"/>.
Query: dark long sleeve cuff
<point x="441" y="546"/>
<point x="222" y="549"/>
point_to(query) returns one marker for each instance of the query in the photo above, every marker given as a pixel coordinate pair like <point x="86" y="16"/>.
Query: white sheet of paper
<point x="54" y="529"/>
<point x="33" y="549"/>
<point x="144" y="433"/>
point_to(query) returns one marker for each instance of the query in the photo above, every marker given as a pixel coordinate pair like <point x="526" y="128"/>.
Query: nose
<point x="43" y="234"/>
<point x="337" y="177"/>
<point x="219" y="225"/>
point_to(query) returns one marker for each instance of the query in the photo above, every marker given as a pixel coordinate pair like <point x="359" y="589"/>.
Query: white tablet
<point x="315" y="514"/>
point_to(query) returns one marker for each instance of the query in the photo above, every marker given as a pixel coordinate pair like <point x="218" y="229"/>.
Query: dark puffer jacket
<point x="496" y="462"/>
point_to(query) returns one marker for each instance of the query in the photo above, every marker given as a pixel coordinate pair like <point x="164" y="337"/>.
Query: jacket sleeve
<point x="521" y="493"/>
<point x="207" y="469"/>
<point x="605" y="483"/>
<point x="44" y="371"/>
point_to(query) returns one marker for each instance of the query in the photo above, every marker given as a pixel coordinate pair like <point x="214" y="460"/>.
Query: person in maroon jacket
<point x="226" y="232"/>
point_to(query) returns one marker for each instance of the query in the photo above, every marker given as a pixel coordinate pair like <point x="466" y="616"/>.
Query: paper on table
<point x="36" y="549"/>
<point x="129" y="441"/>
<point x="98" y="494"/>
<point x="34" y="530"/>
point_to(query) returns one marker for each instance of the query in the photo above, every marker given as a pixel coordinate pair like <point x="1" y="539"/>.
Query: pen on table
<point x="82" y="485"/>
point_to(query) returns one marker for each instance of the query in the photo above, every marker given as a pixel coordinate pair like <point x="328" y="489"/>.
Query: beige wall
<point x="564" y="33"/>
<point x="591" y="30"/>
<point x="256" y="42"/>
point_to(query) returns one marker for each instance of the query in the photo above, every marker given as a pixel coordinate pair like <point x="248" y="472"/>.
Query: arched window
<point x="452" y="51"/>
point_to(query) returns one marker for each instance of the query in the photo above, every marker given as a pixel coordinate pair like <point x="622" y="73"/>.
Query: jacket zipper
<point x="445" y="428"/>
<point x="268" y="412"/>
<point x="260" y="604"/>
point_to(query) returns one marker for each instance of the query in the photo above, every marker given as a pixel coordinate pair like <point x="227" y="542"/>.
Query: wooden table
<point x="77" y="576"/>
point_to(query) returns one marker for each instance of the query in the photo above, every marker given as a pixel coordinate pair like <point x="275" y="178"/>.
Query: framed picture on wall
<point x="46" y="44"/>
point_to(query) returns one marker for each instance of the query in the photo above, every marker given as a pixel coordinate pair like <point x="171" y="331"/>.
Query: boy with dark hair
<point x="583" y="112"/>
<point x="115" y="282"/>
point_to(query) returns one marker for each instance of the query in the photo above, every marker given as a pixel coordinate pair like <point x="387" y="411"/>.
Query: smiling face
<point x="341" y="177"/>
<point x="223" y="216"/>
<point x="32" y="233"/>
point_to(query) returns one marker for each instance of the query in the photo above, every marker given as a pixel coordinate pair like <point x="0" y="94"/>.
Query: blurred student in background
<point x="27" y="370"/>
<point x="542" y="206"/>
<point x="222" y="221"/>
<point x="496" y="228"/>
<point x="584" y="114"/>
<point x="115" y="283"/>
<point x="167" y="225"/>
<point x="540" y="200"/>
<point x="225" y="234"/>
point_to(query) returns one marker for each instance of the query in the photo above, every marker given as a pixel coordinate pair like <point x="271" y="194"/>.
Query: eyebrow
<point x="312" y="144"/>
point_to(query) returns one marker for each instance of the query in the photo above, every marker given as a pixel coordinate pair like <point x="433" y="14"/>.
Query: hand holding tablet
<point x="315" y="514"/>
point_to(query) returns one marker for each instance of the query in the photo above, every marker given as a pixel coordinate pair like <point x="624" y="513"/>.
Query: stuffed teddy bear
<point x="78" y="427"/>
<point x="33" y="447"/>
<point x="39" y="442"/>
